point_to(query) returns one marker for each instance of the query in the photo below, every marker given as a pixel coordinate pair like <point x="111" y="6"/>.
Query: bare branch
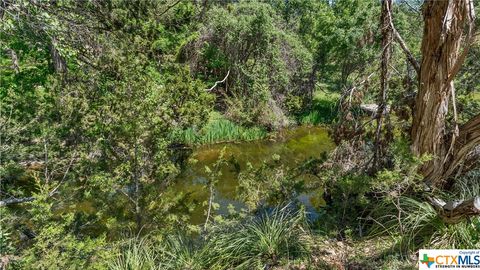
<point x="170" y="6"/>
<point x="217" y="82"/>
<point x="403" y="45"/>
<point x="405" y="49"/>
<point x="16" y="200"/>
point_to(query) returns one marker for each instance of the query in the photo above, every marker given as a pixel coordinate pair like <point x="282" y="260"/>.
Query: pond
<point x="293" y="146"/>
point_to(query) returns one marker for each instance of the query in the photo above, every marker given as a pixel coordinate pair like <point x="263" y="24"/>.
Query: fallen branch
<point x="373" y="109"/>
<point x="457" y="210"/>
<point x="23" y="199"/>
<point x="15" y="201"/>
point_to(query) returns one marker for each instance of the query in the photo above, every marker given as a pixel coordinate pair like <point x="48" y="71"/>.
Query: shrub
<point x="266" y="61"/>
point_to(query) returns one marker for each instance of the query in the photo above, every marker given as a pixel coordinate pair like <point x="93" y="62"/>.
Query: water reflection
<point x="293" y="147"/>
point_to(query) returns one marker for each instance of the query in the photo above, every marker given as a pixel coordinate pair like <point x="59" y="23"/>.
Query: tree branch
<point x="169" y="7"/>
<point x="217" y="82"/>
<point x="405" y="49"/>
<point x="16" y="200"/>
<point x="403" y="45"/>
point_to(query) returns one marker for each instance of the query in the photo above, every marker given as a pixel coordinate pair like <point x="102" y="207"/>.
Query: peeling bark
<point x="445" y="24"/>
<point x="467" y="140"/>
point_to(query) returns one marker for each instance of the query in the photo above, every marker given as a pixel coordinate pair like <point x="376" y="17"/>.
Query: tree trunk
<point x="462" y="152"/>
<point x="14" y="59"/>
<point x="445" y="23"/>
<point x="59" y="63"/>
<point x="384" y="77"/>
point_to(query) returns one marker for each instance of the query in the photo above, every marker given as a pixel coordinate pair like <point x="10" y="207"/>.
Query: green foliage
<point x="273" y="183"/>
<point x="55" y="245"/>
<point x="97" y="129"/>
<point x="270" y="239"/>
<point x="265" y="60"/>
<point x="218" y="129"/>
<point x="412" y="221"/>
<point x="404" y="174"/>
<point x="96" y="97"/>
<point x="352" y="195"/>
<point x="322" y="111"/>
<point x="6" y="241"/>
<point x="470" y="106"/>
<point x="340" y="35"/>
<point x="214" y="174"/>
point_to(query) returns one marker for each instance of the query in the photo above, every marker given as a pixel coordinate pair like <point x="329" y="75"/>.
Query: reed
<point x="218" y="129"/>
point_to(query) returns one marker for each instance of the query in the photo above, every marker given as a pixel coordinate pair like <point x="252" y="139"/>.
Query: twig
<point x="411" y="7"/>
<point x="210" y="202"/>
<point x="169" y="7"/>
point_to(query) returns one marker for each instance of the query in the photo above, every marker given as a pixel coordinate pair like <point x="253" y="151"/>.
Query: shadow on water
<point x="293" y="146"/>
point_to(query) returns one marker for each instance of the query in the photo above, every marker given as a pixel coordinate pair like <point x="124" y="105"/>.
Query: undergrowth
<point x="415" y="223"/>
<point x="321" y="111"/>
<point x="273" y="238"/>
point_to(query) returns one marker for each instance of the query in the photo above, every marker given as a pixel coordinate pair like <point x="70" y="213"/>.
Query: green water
<point x="293" y="146"/>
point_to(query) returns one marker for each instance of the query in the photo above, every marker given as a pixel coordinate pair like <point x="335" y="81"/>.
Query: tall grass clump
<point x="218" y="129"/>
<point x="413" y="223"/>
<point x="180" y="253"/>
<point x="270" y="239"/>
<point x="261" y="242"/>
<point x="468" y="186"/>
<point x="136" y="253"/>
<point x="222" y="129"/>
<point x="173" y="252"/>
